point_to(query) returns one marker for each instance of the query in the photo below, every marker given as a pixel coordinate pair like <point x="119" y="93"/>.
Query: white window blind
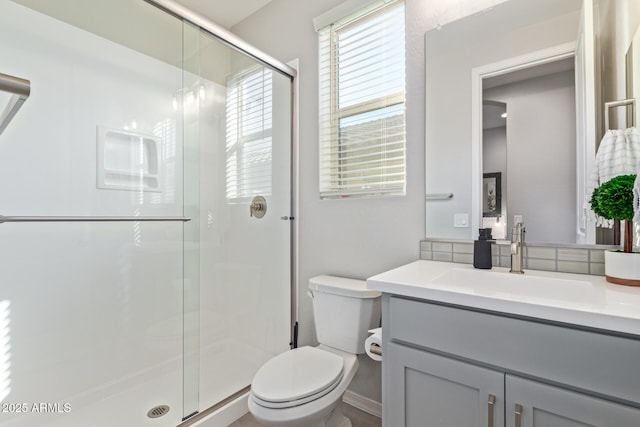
<point x="362" y="103"/>
<point x="248" y="134"/>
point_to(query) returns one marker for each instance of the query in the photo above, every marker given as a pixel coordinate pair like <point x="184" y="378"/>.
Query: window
<point x="362" y="103"/>
<point x="248" y="131"/>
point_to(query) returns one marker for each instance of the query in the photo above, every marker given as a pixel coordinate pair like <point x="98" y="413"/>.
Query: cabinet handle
<point x="490" y="404"/>
<point x="518" y="413"/>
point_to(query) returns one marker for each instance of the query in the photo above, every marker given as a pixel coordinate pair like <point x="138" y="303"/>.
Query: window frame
<point x="237" y="148"/>
<point x="336" y="114"/>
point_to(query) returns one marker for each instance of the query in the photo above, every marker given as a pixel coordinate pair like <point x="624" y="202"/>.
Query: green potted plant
<point x="613" y="200"/>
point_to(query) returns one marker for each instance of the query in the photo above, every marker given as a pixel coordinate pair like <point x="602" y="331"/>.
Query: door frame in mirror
<point x="478" y="74"/>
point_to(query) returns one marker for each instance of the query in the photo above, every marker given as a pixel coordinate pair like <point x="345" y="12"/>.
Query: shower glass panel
<point x="91" y="313"/>
<point x="135" y="113"/>
<point x="244" y="112"/>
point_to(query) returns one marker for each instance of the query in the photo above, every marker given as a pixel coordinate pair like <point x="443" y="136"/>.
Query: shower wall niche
<point x="128" y="160"/>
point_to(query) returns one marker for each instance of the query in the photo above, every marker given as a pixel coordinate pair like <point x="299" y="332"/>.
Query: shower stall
<point x="145" y="215"/>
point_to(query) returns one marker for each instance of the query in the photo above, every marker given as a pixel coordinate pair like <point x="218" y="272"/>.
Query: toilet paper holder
<point x="376" y="349"/>
<point x="373" y="344"/>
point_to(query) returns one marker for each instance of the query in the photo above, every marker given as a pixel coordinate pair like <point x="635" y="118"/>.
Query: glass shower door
<point x="91" y="312"/>
<point x="135" y="113"/>
<point x="243" y="141"/>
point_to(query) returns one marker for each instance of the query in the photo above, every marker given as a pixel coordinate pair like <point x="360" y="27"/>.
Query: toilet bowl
<point x="304" y="390"/>
<point x="304" y="386"/>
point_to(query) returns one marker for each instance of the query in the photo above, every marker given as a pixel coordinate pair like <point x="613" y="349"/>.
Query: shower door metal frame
<point x="223" y="35"/>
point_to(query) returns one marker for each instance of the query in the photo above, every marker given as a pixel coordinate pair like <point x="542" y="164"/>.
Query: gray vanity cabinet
<point x="454" y="366"/>
<point x="534" y="404"/>
<point x="430" y="390"/>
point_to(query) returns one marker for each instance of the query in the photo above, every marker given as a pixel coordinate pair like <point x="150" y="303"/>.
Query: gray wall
<point x="541" y="154"/>
<point x="357" y="237"/>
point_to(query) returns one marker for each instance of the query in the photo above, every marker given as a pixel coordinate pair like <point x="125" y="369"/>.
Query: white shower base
<point x="226" y="368"/>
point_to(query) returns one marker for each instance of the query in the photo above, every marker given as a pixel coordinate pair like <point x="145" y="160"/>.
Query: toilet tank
<point x="344" y="310"/>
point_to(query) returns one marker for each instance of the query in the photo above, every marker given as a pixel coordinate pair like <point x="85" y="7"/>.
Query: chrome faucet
<point x="517" y="248"/>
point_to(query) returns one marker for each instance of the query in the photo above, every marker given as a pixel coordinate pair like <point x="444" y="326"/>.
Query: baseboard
<point x="365" y="404"/>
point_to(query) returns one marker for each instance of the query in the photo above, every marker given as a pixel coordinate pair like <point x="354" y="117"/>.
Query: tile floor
<point x="358" y="419"/>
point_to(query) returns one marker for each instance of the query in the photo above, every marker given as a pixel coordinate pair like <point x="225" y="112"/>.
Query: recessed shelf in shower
<point x="128" y="160"/>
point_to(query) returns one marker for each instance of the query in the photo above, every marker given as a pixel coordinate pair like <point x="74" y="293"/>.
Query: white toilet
<point x="304" y="386"/>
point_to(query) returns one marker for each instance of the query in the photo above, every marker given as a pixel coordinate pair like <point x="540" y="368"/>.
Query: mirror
<point x="520" y="53"/>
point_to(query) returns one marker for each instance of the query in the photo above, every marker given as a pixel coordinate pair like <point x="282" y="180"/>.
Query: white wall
<point x="357" y="237"/>
<point x="541" y="155"/>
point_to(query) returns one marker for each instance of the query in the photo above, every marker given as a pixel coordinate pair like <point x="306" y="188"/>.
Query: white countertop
<point x="561" y="297"/>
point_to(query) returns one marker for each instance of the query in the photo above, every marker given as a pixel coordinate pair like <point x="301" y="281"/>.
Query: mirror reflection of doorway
<point x="494" y="167"/>
<point x="534" y="149"/>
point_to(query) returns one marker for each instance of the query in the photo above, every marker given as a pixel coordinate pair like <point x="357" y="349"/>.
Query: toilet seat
<point x="296" y="377"/>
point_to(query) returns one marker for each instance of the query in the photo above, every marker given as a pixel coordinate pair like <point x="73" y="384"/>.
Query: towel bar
<point x="4" y="219"/>
<point x="439" y="196"/>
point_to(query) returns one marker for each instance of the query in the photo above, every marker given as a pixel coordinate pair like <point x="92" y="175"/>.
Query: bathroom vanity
<point x="465" y="347"/>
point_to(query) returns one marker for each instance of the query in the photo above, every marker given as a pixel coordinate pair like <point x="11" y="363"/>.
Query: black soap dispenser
<point x="482" y="249"/>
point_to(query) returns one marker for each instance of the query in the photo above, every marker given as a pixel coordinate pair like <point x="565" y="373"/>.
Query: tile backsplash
<point x="583" y="259"/>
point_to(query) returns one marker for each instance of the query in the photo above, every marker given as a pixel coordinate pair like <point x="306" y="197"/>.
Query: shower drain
<point x="158" y="411"/>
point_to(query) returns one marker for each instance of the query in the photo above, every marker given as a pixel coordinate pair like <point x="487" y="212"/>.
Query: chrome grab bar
<point x="20" y="88"/>
<point x="4" y="219"/>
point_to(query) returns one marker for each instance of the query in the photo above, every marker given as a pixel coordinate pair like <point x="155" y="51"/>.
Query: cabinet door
<point x="532" y="404"/>
<point x="426" y="390"/>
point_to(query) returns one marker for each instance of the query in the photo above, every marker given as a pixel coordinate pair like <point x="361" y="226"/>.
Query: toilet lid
<point x="297" y="374"/>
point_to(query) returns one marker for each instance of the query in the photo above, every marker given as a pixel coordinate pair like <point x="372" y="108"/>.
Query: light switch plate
<point x="461" y="220"/>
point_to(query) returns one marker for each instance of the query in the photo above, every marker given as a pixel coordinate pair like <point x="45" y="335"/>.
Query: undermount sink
<point x="503" y="283"/>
